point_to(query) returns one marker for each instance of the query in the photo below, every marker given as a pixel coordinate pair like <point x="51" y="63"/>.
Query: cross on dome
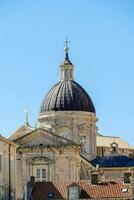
<point x="66" y="48"/>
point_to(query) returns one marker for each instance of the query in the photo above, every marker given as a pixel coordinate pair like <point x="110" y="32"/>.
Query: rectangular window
<point x="43" y="173"/>
<point x="38" y="174"/>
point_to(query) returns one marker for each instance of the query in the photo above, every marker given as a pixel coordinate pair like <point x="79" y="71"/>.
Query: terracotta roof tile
<point x="60" y="190"/>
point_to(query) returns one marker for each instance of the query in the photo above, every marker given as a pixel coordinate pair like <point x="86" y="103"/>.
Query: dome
<point x="67" y="95"/>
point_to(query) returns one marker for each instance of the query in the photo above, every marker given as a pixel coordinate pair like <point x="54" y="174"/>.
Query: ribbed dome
<point x="67" y="95"/>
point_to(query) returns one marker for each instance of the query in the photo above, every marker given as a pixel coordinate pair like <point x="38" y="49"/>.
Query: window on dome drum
<point x="83" y="141"/>
<point x="127" y="177"/>
<point x="40" y="175"/>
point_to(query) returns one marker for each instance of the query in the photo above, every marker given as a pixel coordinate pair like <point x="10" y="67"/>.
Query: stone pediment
<point x="44" y="138"/>
<point x="36" y="160"/>
<point x="21" y="131"/>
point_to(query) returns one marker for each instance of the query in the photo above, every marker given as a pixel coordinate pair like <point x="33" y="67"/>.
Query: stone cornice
<point x="43" y="147"/>
<point x="72" y="114"/>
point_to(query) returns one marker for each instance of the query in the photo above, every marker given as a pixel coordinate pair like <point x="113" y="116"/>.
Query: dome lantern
<point x="67" y="68"/>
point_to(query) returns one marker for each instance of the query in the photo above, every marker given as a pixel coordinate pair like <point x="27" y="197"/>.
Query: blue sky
<point x="101" y="35"/>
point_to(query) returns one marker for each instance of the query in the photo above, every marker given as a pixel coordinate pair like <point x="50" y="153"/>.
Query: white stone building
<point x="110" y="145"/>
<point x="7" y="168"/>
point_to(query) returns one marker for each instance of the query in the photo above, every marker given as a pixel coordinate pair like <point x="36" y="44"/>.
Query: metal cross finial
<point x="66" y="48"/>
<point x="26" y="116"/>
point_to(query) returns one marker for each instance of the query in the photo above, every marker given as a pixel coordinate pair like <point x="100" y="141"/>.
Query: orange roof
<point x="60" y="190"/>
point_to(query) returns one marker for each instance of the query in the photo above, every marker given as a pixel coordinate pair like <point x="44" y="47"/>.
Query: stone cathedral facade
<point x="64" y="146"/>
<point x="66" y="138"/>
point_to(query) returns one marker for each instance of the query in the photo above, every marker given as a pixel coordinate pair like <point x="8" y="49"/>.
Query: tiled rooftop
<point x="59" y="189"/>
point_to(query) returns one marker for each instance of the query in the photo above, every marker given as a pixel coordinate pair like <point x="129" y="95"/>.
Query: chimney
<point x="73" y="192"/>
